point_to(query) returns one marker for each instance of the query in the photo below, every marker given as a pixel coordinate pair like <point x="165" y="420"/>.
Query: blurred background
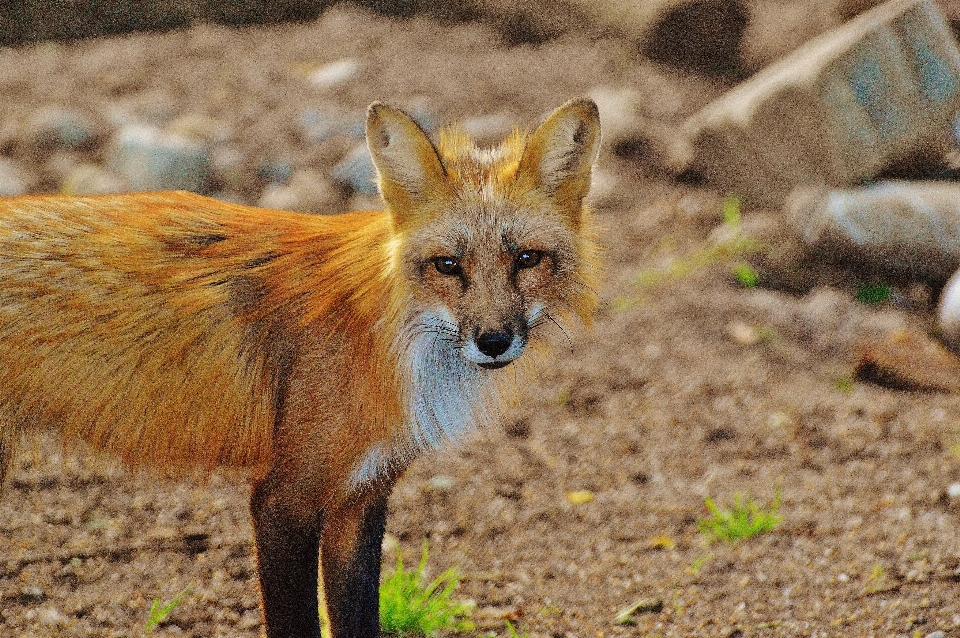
<point x="734" y="353"/>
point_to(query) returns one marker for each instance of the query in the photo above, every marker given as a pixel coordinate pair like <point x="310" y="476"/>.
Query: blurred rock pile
<point x="710" y="36"/>
<point x="67" y="150"/>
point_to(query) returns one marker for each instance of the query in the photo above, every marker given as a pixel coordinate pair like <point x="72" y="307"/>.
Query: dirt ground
<point x="688" y="385"/>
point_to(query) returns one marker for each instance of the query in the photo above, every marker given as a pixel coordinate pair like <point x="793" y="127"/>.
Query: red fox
<point x="319" y="354"/>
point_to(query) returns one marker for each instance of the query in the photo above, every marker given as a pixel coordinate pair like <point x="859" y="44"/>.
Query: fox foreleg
<point x="350" y="551"/>
<point x="345" y="538"/>
<point x="288" y="555"/>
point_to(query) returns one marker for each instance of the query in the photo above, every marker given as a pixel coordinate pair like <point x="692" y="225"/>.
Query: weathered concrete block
<point x="837" y="110"/>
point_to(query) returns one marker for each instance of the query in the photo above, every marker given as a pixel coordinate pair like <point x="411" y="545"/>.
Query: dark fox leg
<point x="287" y="563"/>
<point x="350" y="550"/>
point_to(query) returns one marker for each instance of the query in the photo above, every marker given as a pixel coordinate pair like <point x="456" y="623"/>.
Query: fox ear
<point x="560" y="154"/>
<point x="407" y="163"/>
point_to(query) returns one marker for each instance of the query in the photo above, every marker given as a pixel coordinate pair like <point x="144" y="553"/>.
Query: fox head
<point x="492" y="243"/>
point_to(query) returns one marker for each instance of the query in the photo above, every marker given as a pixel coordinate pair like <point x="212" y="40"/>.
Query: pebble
<point x="32" y="593"/>
<point x="150" y="158"/>
<point x="954" y="490"/>
<point x="14" y="179"/>
<point x="579" y="497"/>
<point x="743" y="333"/>
<point x="307" y="192"/>
<point x="200" y="128"/>
<point x="48" y="616"/>
<point x="319" y="125"/>
<point x="90" y="179"/>
<point x="228" y="168"/>
<point x="334" y="74"/>
<point x="275" y="171"/>
<point x="356" y="171"/>
<point x="53" y="128"/>
<point x="439" y="483"/>
<point x="249" y="620"/>
<point x="488" y="128"/>
<point x="948" y="312"/>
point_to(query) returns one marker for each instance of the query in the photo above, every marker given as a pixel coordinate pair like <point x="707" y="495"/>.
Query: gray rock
<point x="948" y="314"/>
<point x="90" y="179"/>
<point x="365" y="202"/>
<point x="420" y="110"/>
<point x="334" y="73"/>
<point x="201" y="128"/>
<point x="52" y="128"/>
<point x="152" y="159"/>
<point x="275" y="171"/>
<point x="307" y="192"/>
<point x="630" y="133"/>
<point x="318" y="125"/>
<point x="838" y="110"/>
<point x="488" y="128"/>
<point x="356" y="171"/>
<point x="355" y="125"/>
<point x="229" y="169"/>
<point x="14" y="179"/>
<point x="897" y="227"/>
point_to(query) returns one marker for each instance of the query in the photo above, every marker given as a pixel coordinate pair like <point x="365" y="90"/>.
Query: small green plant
<point x="694" y="568"/>
<point x="874" y="293"/>
<point x="878" y="582"/>
<point x="844" y="384"/>
<point x="159" y="612"/>
<point x="734" y="245"/>
<point x="408" y="607"/>
<point x="731" y="210"/>
<point x="746" y="275"/>
<point x="745" y="519"/>
<point x="512" y="633"/>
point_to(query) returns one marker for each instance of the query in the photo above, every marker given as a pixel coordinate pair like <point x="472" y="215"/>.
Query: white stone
<point x="334" y="73"/>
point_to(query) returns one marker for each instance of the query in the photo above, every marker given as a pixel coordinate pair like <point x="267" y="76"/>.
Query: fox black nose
<point x="494" y="344"/>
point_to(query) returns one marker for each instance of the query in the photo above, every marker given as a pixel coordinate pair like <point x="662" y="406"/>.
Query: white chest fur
<point x="447" y="397"/>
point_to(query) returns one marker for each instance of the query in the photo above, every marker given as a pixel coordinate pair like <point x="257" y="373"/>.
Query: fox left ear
<point x="407" y="163"/>
<point x="560" y="154"/>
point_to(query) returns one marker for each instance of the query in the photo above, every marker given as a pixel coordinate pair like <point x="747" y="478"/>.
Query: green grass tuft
<point x="746" y="275"/>
<point x="735" y="246"/>
<point x="731" y="210"/>
<point x="745" y="519"/>
<point x="159" y="613"/>
<point x="409" y="607"/>
<point x="873" y="293"/>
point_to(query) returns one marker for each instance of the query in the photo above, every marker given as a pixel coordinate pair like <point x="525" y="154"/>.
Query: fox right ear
<point x="407" y="163"/>
<point x="560" y="154"/>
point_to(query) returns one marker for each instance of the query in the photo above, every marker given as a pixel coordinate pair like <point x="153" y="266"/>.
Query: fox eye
<point x="447" y="265"/>
<point x="528" y="258"/>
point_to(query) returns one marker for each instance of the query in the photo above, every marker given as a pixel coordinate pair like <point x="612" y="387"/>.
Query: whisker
<point x="579" y="282"/>
<point x="557" y="324"/>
